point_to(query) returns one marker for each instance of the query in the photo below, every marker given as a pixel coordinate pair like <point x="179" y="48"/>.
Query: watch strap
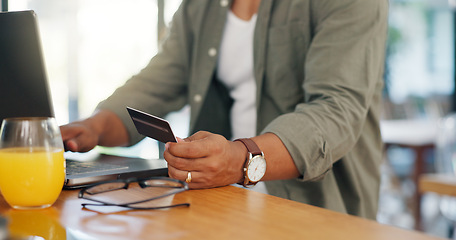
<point x="251" y="146"/>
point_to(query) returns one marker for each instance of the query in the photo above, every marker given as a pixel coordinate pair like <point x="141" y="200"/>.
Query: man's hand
<point x="104" y="128"/>
<point x="79" y="136"/>
<point x="212" y="160"/>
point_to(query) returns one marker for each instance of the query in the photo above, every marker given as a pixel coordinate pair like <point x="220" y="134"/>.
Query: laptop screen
<point x="24" y="90"/>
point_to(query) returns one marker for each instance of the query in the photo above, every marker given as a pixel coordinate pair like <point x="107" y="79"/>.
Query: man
<point x="312" y="110"/>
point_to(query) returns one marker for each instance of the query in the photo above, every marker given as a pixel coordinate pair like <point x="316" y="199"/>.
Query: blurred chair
<point x="411" y="127"/>
<point x="419" y="136"/>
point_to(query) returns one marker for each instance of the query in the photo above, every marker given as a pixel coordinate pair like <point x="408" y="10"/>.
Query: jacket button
<point x="224" y="3"/>
<point x="197" y="98"/>
<point x="212" y="52"/>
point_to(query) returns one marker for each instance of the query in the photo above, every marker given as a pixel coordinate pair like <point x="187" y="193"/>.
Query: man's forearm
<point x="280" y="165"/>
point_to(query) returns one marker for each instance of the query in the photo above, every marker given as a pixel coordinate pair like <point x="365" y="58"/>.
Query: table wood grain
<point x="221" y="213"/>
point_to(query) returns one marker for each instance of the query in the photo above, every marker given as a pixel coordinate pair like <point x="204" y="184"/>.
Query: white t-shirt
<point x="235" y="71"/>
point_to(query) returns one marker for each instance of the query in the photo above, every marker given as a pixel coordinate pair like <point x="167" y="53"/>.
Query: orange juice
<point x="31" y="177"/>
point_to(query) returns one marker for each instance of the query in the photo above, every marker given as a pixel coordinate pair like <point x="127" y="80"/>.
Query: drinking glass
<point x="32" y="166"/>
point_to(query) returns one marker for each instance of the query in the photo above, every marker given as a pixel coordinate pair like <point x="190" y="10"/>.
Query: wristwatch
<point x="255" y="164"/>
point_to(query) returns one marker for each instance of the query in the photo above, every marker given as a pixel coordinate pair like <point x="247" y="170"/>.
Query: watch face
<point x="256" y="168"/>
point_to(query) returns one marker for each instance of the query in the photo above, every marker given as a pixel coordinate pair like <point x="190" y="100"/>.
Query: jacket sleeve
<point x="343" y="76"/>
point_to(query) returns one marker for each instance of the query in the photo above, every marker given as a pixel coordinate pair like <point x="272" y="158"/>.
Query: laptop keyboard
<point x="77" y="167"/>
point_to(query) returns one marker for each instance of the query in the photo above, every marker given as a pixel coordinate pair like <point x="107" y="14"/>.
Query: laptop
<point x="24" y="92"/>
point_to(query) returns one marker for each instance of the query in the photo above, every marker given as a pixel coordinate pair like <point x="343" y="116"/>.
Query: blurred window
<point x="91" y="47"/>
<point x="420" y="55"/>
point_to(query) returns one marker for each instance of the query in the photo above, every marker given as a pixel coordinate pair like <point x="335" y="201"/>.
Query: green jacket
<point x="318" y="66"/>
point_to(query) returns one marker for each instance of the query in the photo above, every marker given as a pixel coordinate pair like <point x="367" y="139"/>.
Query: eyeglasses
<point x="165" y="187"/>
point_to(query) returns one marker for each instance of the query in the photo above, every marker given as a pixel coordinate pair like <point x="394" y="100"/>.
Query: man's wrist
<point x="109" y="128"/>
<point x="242" y="157"/>
<point x="97" y="122"/>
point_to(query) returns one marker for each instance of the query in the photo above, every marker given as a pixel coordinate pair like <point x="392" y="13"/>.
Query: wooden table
<point x="221" y="213"/>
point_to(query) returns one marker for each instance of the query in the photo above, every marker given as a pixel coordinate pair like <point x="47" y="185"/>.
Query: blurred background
<point x="93" y="46"/>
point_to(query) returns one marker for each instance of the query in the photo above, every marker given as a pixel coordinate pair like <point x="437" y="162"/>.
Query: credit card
<point x="152" y="126"/>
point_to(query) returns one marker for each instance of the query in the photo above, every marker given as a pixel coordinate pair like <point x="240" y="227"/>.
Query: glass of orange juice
<point x="32" y="167"/>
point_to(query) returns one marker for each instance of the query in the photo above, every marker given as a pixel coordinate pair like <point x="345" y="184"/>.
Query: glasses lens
<point x="150" y="194"/>
<point x="105" y="187"/>
<point x="165" y="183"/>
